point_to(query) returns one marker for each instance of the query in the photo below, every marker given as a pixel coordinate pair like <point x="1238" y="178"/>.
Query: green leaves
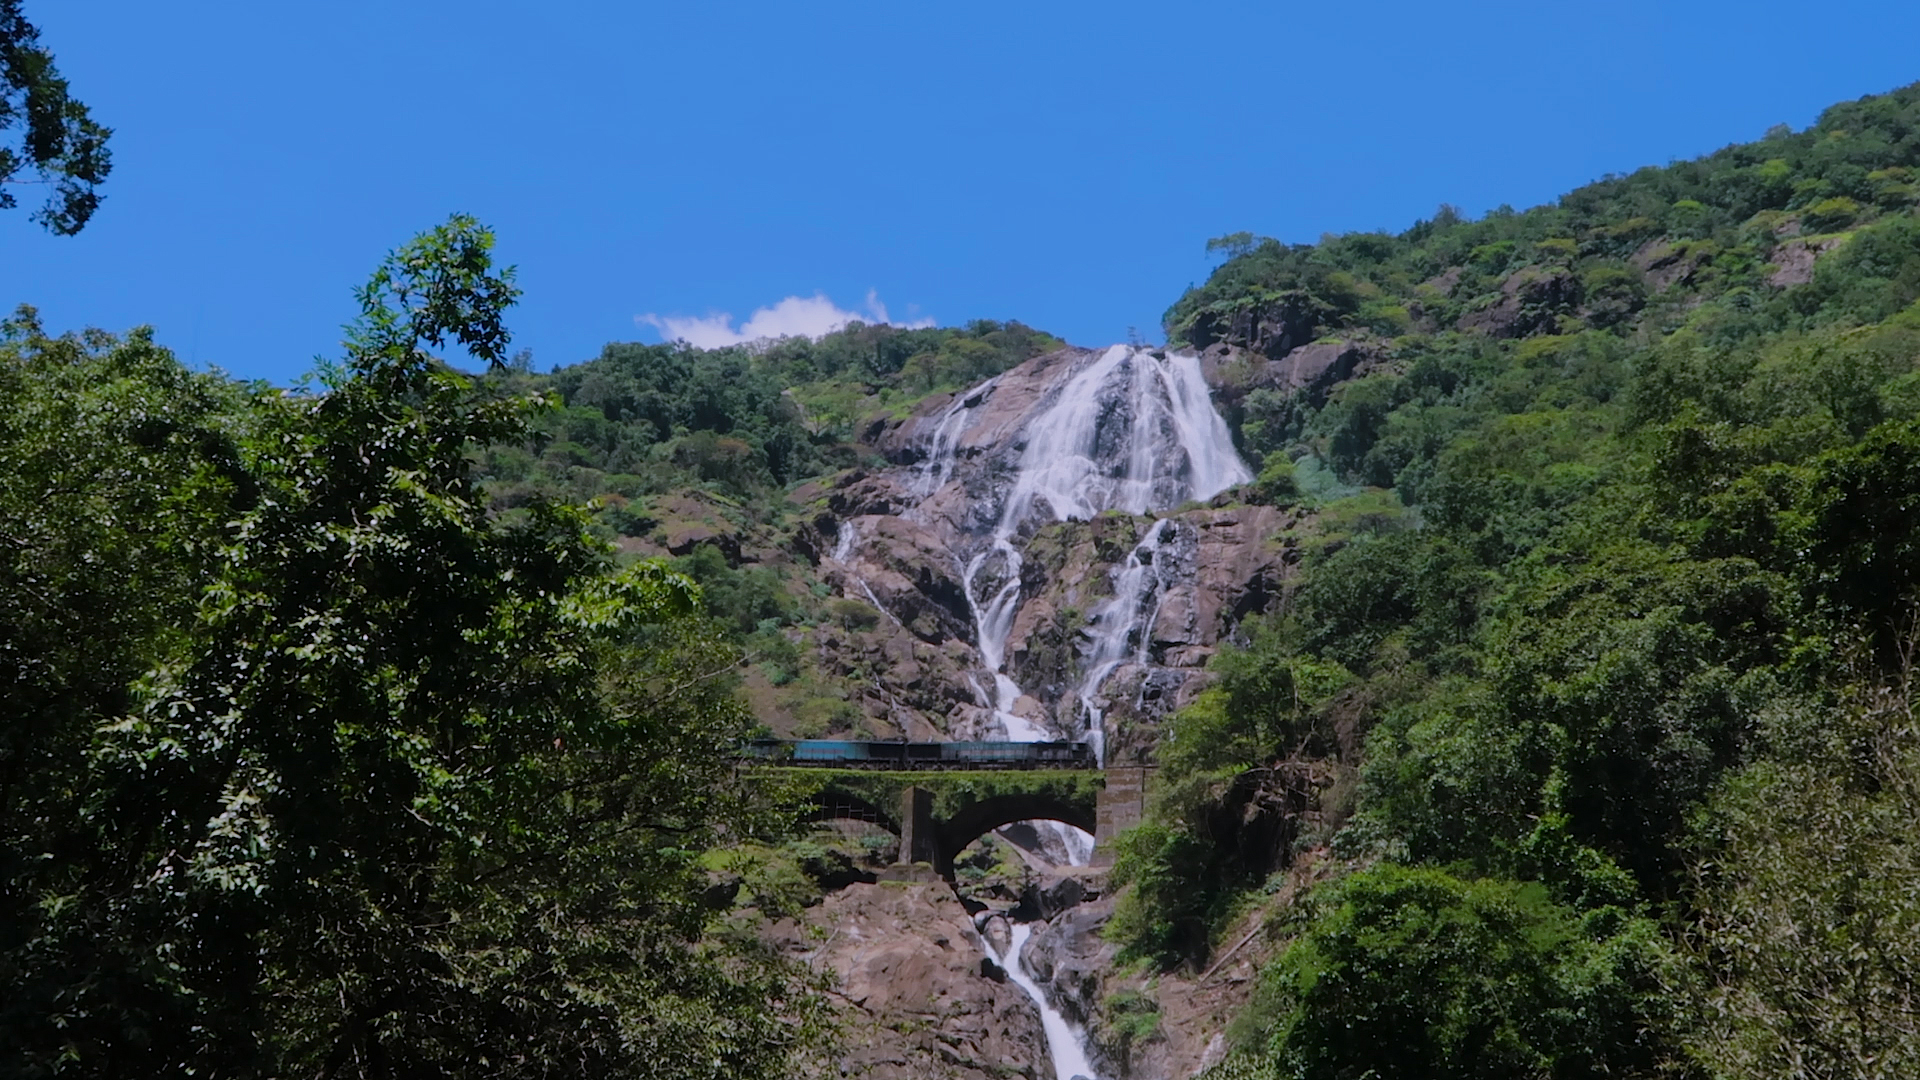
<point x="438" y="286"/>
<point x="1807" y="919"/>
<point x="1418" y="974"/>
<point x="59" y="141"/>
<point x="1637" y="534"/>
<point x="406" y="789"/>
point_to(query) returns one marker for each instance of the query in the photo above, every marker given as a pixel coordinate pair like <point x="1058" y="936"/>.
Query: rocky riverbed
<point x="919" y="994"/>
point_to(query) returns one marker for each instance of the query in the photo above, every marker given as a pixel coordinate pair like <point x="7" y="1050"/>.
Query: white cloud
<point x="796" y="316"/>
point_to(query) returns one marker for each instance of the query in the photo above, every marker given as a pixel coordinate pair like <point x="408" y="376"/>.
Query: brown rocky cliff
<point x="899" y="538"/>
<point x="914" y="999"/>
<point x="1531" y="301"/>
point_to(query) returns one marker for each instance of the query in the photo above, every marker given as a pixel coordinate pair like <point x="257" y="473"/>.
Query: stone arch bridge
<point x="937" y="814"/>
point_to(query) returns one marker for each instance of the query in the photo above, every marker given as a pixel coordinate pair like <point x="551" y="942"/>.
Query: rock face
<point x="1312" y="370"/>
<point x="1531" y="301"/>
<point x="1029" y="554"/>
<point x="1304" y="377"/>
<point x="1664" y="264"/>
<point x="1273" y="329"/>
<point x="1185" y="1017"/>
<point x="909" y="572"/>
<point x="1067" y="955"/>
<point x="1794" y="260"/>
<point x="915" y="998"/>
<point x="1212" y="568"/>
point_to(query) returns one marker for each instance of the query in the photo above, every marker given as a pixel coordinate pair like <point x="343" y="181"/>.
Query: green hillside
<point x="1612" y="702"/>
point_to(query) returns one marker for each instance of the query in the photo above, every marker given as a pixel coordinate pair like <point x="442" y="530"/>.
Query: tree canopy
<point x="1598" y="664"/>
<point x="318" y="767"/>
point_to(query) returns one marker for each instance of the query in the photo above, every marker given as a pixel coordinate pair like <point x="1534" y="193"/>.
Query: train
<point x="922" y="755"/>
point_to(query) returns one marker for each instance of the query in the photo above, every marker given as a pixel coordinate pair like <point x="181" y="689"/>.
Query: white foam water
<point x="1066" y="1044"/>
<point x="1134" y="431"/>
<point x="1122" y="628"/>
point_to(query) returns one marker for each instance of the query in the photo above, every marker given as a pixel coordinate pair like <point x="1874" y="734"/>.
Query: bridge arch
<point x="976" y="819"/>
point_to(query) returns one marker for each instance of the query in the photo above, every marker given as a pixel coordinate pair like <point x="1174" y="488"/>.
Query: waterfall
<point x="1133" y="431"/>
<point x="941" y="451"/>
<point x="1065" y="1044"/>
<point x="843" y="552"/>
<point x="1128" y="430"/>
<point x="1122" y="628"/>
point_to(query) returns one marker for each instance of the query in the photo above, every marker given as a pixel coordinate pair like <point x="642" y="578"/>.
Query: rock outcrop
<point x="1305" y="377"/>
<point x="936" y="538"/>
<point x="1531" y="301"/>
<point x="1665" y="264"/>
<point x="1793" y="261"/>
<point x="1067" y="955"/>
<point x="909" y="572"/>
<point x="913" y="995"/>
<point x="1272" y="328"/>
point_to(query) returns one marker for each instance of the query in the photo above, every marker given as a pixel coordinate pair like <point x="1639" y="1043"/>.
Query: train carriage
<point x="876" y="754"/>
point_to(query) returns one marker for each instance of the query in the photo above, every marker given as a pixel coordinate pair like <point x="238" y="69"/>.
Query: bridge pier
<point x="936" y="816"/>
<point x="1121" y="805"/>
<point x="919" y="833"/>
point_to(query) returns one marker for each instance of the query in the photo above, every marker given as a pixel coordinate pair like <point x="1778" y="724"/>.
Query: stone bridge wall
<point x="938" y="814"/>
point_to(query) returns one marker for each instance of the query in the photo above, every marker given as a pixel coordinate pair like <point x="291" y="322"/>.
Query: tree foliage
<point x="1417" y="974"/>
<point x="1806" y="922"/>
<point x="1627" y="647"/>
<point x="50" y="134"/>
<point x="385" y="785"/>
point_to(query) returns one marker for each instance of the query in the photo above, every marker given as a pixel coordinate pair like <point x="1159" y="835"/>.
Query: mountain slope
<point x="1612" y="671"/>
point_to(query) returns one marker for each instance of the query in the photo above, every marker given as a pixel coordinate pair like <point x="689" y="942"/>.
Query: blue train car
<point x="874" y="754"/>
<point x="827" y="751"/>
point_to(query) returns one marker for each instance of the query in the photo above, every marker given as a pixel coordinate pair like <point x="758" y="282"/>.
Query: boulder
<point x="1048" y="898"/>
<point x="1069" y="959"/>
<point x="920" y="994"/>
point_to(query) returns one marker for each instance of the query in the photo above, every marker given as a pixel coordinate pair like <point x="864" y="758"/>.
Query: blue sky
<point x="1059" y="163"/>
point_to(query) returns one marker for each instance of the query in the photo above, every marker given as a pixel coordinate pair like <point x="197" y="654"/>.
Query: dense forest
<point x="316" y="765"/>
<point x="1607" y="665"/>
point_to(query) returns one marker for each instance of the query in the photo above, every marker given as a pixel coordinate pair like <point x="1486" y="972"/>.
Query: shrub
<point x="853" y="614"/>
<point x="1405" y="973"/>
<point x="1275" y="484"/>
<point x="1830" y="214"/>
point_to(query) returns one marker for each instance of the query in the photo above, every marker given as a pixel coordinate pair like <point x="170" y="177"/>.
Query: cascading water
<point x="1119" y="628"/>
<point x="843" y="551"/>
<point x="1133" y="431"/>
<point x="940" y="452"/>
<point x="1065" y="1044"/>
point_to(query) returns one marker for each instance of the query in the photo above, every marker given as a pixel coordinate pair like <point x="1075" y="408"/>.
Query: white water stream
<point x="1131" y="431"/>
<point x="1065" y="1043"/>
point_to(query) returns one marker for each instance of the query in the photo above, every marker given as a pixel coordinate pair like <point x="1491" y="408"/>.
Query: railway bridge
<point x="940" y="797"/>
